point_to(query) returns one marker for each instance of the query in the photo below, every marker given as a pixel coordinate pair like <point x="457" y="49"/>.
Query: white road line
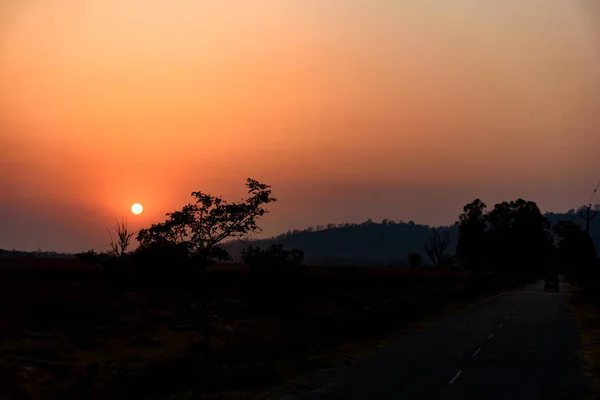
<point x="455" y="377"/>
<point x="500" y="326"/>
<point x="508" y="317"/>
<point x="491" y="336"/>
<point x="476" y="352"/>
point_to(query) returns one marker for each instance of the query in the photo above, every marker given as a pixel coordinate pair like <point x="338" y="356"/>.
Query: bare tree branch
<point x="437" y="245"/>
<point x="124" y="236"/>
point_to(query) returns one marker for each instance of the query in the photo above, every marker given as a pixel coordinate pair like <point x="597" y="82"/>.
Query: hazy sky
<point x="350" y="109"/>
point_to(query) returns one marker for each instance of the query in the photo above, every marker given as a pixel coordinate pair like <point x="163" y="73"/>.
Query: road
<point x="519" y="345"/>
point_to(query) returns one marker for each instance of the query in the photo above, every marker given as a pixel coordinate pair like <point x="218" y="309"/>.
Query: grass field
<point x="64" y="334"/>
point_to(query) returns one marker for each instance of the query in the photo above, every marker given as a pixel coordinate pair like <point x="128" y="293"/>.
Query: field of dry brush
<point x="65" y="334"/>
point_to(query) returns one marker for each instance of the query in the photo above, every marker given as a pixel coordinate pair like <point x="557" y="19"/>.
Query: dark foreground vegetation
<point x="65" y="334"/>
<point x="584" y="299"/>
<point x="585" y="304"/>
<point x="172" y="320"/>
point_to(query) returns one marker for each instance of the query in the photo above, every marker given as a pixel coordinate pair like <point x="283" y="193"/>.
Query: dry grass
<point x="584" y="303"/>
<point x="64" y="335"/>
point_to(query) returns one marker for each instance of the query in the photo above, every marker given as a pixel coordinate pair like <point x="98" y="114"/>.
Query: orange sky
<point x="350" y="109"/>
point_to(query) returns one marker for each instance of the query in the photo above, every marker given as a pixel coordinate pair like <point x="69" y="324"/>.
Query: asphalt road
<point x="520" y="345"/>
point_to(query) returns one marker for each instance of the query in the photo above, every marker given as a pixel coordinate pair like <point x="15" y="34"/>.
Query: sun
<point x="137" y="209"/>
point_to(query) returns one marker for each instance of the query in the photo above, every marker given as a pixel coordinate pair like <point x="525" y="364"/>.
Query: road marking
<point x="491" y="336"/>
<point x="514" y="312"/>
<point x="455" y="377"/>
<point x="508" y="317"/>
<point x="500" y="326"/>
<point x="476" y="352"/>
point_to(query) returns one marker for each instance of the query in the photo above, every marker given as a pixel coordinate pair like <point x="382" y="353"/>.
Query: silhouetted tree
<point x="415" y="260"/>
<point x="124" y="236"/>
<point x="519" y="236"/>
<point x="437" y="245"/>
<point x="470" y="248"/>
<point x="575" y="250"/>
<point x="188" y="241"/>
<point x="198" y="229"/>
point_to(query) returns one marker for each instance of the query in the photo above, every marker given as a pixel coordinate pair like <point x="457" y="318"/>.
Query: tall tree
<point x="188" y="241"/>
<point x="470" y="248"/>
<point x="519" y="236"/>
<point x="199" y="228"/>
<point x="575" y="249"/>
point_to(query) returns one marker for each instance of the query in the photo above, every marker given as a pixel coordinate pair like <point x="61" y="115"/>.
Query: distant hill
<point x="368" y="243"/>
<point x="373" y="243"/>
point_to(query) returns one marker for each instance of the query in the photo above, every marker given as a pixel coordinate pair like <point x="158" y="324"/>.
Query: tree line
<point x="515" y="237"/>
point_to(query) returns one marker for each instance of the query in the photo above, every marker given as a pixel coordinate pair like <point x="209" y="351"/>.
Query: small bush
<point x="415" y="260"/>
<point x="272" y="259"/>
<point x="89" y="257"/>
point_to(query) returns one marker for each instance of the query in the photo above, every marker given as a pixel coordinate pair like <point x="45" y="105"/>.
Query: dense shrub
<point x="272" y="259"/>
<point x="415" y="260"/>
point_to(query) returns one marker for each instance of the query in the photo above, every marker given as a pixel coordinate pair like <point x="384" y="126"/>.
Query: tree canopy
<point x="513" y="236"/>
<point x="195" y="232"/>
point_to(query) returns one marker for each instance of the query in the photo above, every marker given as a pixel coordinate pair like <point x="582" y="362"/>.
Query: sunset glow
<point x="350" y="109"/>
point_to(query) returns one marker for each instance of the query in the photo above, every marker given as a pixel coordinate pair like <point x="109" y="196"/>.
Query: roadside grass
<point x="584" y="302"/>
<point x="64" y="334"/>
